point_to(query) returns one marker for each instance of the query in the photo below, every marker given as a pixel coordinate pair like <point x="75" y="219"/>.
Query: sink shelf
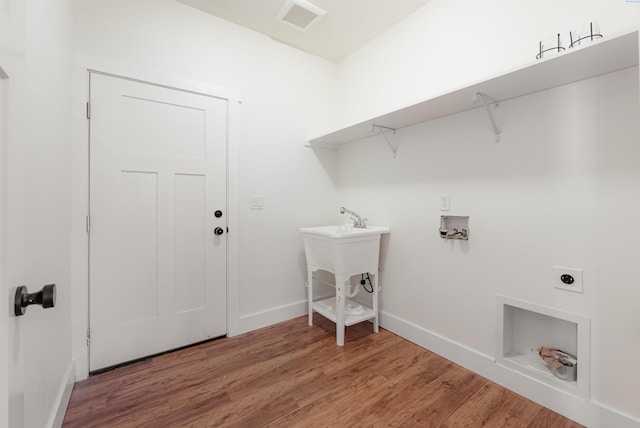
<point x="327" y="308"/>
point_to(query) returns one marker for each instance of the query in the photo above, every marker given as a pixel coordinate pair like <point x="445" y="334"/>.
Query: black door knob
<point x="218" y="231"/>
<point x="46" y="297"/>
<point x="218" y="213"/>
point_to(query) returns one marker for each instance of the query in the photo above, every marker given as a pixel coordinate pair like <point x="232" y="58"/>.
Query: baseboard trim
<point x="606" y="416"/>
<point x="62" y="398"/>
<point x="271" y="316"/>
<point x="589" y="413"/>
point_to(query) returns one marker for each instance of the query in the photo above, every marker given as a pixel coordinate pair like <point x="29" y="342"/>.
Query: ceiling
<point x="347" y="25"/>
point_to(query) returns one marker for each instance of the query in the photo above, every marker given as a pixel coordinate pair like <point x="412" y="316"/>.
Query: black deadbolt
<point x="218" y="231"/>
<point x="46" y="297"/>
<point x="567" y="279"/>
<point x="218" y="213"/>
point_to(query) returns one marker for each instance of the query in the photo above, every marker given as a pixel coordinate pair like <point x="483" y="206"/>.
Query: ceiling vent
<point x="300" y="14"/>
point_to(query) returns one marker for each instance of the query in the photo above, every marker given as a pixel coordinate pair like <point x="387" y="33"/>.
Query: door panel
<point x="190" y="225"/>
<point x="145" y="129"/>
<point x="157" y="175"/>
<point x="139" y="245"/>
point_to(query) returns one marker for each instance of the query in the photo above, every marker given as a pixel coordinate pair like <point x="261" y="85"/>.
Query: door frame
<point x="4" y="287"/>
<point x="80" y="192"/>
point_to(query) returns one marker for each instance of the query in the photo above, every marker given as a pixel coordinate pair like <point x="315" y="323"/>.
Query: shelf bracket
<point x="487" y="101"/>
<point x="382" y="130"/>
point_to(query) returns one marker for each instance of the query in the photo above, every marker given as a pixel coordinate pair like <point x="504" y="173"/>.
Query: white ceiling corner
<point x="347" y="25"/>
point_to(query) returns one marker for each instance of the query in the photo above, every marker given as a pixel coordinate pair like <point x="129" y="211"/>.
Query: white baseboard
<point x="605" y="416"/>
<point x="589" y="413"/>
<point x="271" y="316"/>
<point x="62" y="398"/>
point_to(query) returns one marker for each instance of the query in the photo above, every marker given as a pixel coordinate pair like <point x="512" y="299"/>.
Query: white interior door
<point x="157" y="177"/>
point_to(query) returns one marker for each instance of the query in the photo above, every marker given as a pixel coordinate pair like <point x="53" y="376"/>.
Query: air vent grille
<point x="300" y="14"/>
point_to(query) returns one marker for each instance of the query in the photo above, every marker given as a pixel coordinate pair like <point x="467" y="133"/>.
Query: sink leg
<point x="376" y="289"/>
<point x="310" y="294"/>
<point x="341" y="301"/>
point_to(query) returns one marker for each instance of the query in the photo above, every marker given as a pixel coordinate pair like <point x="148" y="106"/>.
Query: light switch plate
<point x="445" y="202"/>
<point x="256" y="202"/>
<point x="569" y="279"/>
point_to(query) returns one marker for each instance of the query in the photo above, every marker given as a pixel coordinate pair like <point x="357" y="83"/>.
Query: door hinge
<point x="88" y="110"/>
<point x="88" y="223"/>
<point x="88" y="336"/>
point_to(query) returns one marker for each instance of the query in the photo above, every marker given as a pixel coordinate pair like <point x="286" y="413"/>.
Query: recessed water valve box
<point x="454" y="227"/>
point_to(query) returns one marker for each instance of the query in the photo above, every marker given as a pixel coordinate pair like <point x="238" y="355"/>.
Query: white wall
<point x="286" y="94"/>
<point x="36" y="54"/>
<point x="556" y="190"/>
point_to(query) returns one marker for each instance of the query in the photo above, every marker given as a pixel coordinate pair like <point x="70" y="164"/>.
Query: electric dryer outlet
<point x="566" y="278"/>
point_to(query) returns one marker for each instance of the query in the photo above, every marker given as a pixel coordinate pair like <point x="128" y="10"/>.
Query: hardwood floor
<point x="293" y="375"/>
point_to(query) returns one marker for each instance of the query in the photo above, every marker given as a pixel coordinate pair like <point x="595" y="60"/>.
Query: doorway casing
<point x="4" y="288"/>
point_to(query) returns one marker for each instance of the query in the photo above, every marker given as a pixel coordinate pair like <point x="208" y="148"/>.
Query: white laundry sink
<point x="343" y="250"/>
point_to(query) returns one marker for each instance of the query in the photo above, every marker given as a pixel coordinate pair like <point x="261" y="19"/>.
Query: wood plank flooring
<point x="293" y="375"/>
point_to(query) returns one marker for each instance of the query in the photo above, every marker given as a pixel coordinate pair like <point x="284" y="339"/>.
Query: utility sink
<point x="343" y="250"/>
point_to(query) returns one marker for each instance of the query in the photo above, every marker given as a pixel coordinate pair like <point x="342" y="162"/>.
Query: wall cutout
<point x="454" y="227"/>
<point x="527" y="330"/>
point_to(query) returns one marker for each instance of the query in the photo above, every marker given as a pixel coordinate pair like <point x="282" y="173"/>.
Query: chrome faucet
<point x="357" y="220"/>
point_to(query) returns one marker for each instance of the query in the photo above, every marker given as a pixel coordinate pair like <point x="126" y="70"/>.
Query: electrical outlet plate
<point x="562" y="278"/>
